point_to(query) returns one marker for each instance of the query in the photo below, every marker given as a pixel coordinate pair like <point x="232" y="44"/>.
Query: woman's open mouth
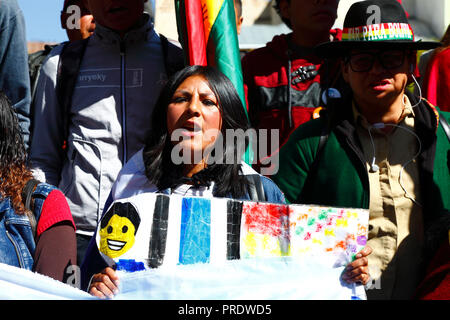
<point x="190" y="131"/>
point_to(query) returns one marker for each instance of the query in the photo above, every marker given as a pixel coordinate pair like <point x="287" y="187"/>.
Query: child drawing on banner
<point x="118" y="229"/>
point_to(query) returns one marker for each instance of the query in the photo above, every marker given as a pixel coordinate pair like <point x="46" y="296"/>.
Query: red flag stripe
<point x="196" y="33"/>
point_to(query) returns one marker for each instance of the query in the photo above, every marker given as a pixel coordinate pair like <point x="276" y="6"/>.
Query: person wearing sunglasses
<point x="380" y="148"/>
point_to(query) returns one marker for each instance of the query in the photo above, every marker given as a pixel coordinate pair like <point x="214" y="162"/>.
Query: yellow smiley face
<point x="117" y="237"/>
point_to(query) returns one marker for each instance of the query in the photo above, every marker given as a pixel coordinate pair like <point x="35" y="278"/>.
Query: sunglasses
<point x="364" y="61"/>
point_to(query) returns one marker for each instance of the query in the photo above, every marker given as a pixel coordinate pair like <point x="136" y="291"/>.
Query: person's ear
<point x="412" y="65"/>
<point x="239" y="25"/>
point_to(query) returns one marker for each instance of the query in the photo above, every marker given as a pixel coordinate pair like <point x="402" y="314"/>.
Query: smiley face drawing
<point x="118" y="229"/>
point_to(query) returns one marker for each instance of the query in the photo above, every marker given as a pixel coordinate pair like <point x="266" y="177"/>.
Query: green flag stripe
<point x="223" y="48"/>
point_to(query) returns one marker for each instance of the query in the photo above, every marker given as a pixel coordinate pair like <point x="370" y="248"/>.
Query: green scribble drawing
<point x="299" y="230"/>
<point x="323" y="215"/>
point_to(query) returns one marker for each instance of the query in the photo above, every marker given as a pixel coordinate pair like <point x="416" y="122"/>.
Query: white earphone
<point x="374" y="167"/>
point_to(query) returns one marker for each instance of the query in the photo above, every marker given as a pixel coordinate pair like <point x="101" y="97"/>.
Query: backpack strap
<point x="326" y="129"/>
<point x="27" y="192"/>
<point x="27" y="195"/>
<point x="173" y="56"/>
<point x="68" y="68"/>
<point x="34" y="194"/>
<point x="440" y="119"/>
<point x="256" y="189"/>
<point x="35" y="61"/>
<point x="445" y="126"/>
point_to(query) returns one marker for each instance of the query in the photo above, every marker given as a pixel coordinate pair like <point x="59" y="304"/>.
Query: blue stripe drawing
<point x="195" y="231"/>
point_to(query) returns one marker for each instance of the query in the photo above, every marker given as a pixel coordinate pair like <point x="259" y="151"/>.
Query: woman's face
<point x="193" y="116"/>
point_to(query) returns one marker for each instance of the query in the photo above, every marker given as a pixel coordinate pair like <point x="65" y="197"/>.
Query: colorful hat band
<point x="379" y="32"/>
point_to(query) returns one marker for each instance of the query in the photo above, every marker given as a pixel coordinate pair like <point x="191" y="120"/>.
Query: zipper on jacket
<point x="123" y="99"/>
<point x="19" y="257"/>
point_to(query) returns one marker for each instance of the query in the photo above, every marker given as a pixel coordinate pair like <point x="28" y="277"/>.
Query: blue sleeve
<point x="93" y="262"/>
<point x="273" y="193"/>
<point x="14" y="76"/>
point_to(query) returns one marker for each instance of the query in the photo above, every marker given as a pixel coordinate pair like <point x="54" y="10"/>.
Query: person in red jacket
<point x="284" y="80"/>
<point x="436" y="83"/>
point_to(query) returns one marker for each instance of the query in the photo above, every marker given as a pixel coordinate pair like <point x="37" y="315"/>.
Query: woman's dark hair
<point x="14" y="172"/>
<point x="159" y="167"/>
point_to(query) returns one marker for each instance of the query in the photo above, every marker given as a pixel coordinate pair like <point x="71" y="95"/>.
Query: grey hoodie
<point x="117" y="86"/>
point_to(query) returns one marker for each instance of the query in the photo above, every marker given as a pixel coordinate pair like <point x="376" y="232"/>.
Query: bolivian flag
<point x="207" y="32"/>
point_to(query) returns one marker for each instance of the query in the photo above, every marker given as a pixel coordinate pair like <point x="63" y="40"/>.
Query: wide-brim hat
<point x="375" y="24"/>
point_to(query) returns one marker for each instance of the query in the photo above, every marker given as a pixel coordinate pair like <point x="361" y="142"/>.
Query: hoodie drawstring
<point x="289" y="87"/>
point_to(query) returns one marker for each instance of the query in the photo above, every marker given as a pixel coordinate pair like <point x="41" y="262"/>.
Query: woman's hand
<point x="358" y="270"/>
<point x="105" y="284"/>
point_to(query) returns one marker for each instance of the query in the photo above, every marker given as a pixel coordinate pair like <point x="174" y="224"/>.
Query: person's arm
<point x="56" y="252"/>
<point x="56" y="248"/>
<point x="295" y="159"/>
<point x="46" y="148"/>
<point x="14" y="76"/>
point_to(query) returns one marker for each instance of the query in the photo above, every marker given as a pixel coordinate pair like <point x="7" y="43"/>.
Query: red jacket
<point x="436" y="83"/>
<point x="436" y="285"/>
<point x="271" y="103"/>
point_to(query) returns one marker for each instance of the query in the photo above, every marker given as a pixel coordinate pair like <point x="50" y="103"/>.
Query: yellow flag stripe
<point x="211" y="9"/>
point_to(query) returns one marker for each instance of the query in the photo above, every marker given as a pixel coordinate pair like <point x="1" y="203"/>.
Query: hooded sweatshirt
<point x="118" y="83"/>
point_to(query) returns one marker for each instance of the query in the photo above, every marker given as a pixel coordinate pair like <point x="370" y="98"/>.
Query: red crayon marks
<point x="330" y="220"/>
<point x="307" y="236"/>
<point x="319" y="227"/>
<point x="265" y="218"/>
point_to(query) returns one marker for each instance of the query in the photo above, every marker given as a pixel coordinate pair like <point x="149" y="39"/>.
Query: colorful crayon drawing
<point x="174" y="230"/>
<point x="264" y="230"/>
<point x="301" y="230"/>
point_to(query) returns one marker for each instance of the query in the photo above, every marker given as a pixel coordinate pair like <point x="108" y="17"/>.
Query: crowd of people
<point x="91" y="121"/>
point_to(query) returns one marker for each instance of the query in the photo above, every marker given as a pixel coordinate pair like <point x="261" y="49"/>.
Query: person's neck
<point x="191" y="169"/>
<point x="382" y="112"/>
<point x="141" y="22"/>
